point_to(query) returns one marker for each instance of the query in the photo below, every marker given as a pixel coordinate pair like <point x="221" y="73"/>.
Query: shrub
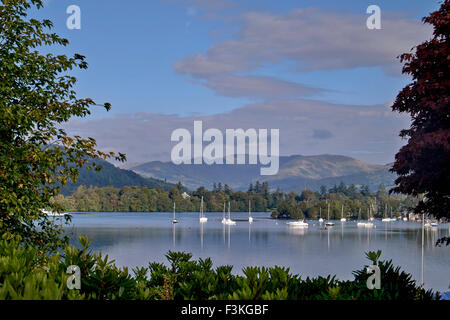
<point x="28" y="273"/>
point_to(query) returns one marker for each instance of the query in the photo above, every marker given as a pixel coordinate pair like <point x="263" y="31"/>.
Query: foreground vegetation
<point x="27" y="273"/>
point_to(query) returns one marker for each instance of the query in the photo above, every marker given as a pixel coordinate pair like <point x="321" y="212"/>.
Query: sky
<point x="309" y="68"/>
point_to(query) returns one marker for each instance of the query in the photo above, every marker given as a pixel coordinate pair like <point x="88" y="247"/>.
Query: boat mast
<point x="421" y="269"/>
<point x="328" y="212"/>
<point x="224" y="209"/>
<point x="174" y="210"/>
<point x="201" y="208"/>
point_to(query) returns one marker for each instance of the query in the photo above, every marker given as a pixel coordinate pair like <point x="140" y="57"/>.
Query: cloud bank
<point x="307" y="127"/>
<point x="309" y="39"/>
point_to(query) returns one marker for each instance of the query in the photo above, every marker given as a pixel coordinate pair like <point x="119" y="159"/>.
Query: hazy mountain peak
<point x="295" y="171"/>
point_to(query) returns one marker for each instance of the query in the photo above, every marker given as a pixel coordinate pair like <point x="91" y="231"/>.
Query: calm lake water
<point x="134" y="239"/>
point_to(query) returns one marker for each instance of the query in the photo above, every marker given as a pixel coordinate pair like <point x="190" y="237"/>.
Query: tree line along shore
<point x="353" y="201"/>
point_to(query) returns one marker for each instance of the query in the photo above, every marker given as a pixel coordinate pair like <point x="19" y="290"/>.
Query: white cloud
<point x="340" y="129"/>
<point x="259" y="87"/>
<point x="313" y="39"/>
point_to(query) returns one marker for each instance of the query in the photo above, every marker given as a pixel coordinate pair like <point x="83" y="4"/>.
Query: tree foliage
<point x="36" y="96"/>
<point x="308" y="204"/>
<point x="423" y="164"/>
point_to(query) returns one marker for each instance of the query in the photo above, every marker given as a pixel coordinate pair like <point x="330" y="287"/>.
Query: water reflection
<point x="201" y="235"/>
<point x="328" y="234"/>
<point x="136" y="239"/>
<point x="174" y="234"/>
<point x="229" y="235"/>
<point x="223" y="228"/>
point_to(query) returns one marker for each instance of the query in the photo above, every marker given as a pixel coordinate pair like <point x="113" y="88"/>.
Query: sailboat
<point x="229" y="221"/>
<point x="385" y="218"/>
<point x="202" y="217"/>
<point x="298" y="224"/>
<point x="320" y="215"/>
<point x="427" y="222"/>
<point x="369" y="224"/>
<point x="405" y="218"/>
<point x="342" y="214"/>
<point x="250" y="219"/>
<point x="224" y="220"/>
<point x="371" y="209"/>
<point x="54" y="214"/>
<point x="393" y="219"/>
<point x="174" y="220"/>
<point x="329" y="223"/>
<point x="360" y="223"/>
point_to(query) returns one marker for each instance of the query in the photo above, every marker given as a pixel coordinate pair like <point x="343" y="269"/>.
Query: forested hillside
<point x="110" y="175"/>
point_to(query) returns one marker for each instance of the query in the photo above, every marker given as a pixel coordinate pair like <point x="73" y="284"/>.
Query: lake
<point x="134" y="239"/>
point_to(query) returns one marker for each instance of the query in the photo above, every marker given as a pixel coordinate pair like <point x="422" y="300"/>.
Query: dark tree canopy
<point x="36" y="97"/>
<point x="423" y="164"/>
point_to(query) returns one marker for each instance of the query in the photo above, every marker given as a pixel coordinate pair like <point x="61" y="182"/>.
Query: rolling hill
<point x="296" y="172"/>
<point x="113" y="176"/>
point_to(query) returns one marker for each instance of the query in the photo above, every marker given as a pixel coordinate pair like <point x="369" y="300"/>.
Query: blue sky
<point x="200" y="58"/>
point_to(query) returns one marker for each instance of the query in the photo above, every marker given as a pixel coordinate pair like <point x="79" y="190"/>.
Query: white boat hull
<point x="54" y="214"/>
<point x="230" y="222"/>
<point x="298" y="224"/>
<point x="361" y="224"/>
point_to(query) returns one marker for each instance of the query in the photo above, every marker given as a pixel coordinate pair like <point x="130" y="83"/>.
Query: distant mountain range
<point x="111" y="175"/>
<point x="296" y="172"/>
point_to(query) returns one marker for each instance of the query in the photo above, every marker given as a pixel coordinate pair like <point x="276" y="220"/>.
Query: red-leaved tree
<point x="423" y="164"/>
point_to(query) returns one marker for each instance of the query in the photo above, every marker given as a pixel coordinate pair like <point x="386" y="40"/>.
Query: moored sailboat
<point x="224" y="220"/>
<point x="360" y="223"/>
<point x="229" y="221"/>
<point x="342" y="214"/>
<point x="299" y="224"/>
<point x="329" y="223"/>
<point x="385" y="218"/>
<point x="202" y="217"/>
<point x="174" y="220"/>
<point x="369" y="224"/>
